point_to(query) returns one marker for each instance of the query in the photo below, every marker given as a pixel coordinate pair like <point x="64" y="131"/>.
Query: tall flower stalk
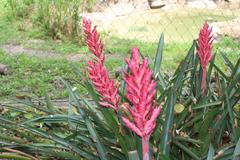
<point x="140" y="87"/>
<point x="204" y="51"/>
<point x="141" y="90"/>
<point x="98" y="73"/>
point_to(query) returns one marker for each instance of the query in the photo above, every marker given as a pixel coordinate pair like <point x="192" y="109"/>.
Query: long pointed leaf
<point x="100" y="147"/>
<point x="236" y="153"/>
<point x="158" y="58"/>
<point x="210" y="152"/>
<point x="164" y="146"/>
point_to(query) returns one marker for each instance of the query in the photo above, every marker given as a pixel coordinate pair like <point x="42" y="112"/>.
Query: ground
<point x="37" y="62"/>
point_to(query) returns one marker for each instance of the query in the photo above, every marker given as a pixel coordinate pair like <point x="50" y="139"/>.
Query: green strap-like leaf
<point x="99" y="146"/>
<point x="50" y="106"/>
<point x="187" y="150"/>
<point x="13" y="156"/>
<point x="201" y="106"/>
<point x="87" y="84"/>
<point x="158" y="58"/>
<point x="236" y="69"/>
<point x="230" y="112"/>
<point x="220" y="71"/>
<point x="227" y="61"/>
<point x="59" y="140"/>
<point x="133" y="155"/>
<point x="236" y="153"/>
<point x="28" y="102"/>
<point x="164" y="146"/>
<point x="210" y="152"/>
<point x="183" y="67"/>
<point x="187" y="139"/>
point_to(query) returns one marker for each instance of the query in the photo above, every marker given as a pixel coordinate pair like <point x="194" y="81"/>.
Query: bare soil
<point x="16" y="49"/>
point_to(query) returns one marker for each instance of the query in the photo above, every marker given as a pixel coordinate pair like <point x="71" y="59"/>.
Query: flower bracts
<point x="98" y="73"/>
<point x="204" y="51"/>
<point x="141" y="89"/>
<point x="93" y="40"/>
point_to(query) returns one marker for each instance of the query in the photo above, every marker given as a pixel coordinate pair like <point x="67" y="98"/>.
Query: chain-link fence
<point x="179" y="20"/>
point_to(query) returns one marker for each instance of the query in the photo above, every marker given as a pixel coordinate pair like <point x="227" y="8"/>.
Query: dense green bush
<point x="59" y="18"/>
<point x="191" y="125"/>
<point x="20" y="8"/>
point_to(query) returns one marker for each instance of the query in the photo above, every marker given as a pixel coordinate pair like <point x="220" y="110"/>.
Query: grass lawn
<point x="32" y="76"/>
<point x="40" y="76"/>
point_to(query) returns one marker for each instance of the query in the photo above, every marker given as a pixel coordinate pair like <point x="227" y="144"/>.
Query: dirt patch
<point x="14" y="49"/>
<point x="77" y="57"/>
<point x="60" y="104"/>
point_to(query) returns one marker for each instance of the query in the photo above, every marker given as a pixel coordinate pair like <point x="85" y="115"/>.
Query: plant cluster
<point x="20" y="8"/>
<point x="58" y="18"/>
<point x="193" y="114"/>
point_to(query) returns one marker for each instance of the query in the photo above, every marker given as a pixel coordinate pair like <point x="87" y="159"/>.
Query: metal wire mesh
<point x="180" y="21"/>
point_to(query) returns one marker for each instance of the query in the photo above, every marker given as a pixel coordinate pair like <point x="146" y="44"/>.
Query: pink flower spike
<point x="98" y="73"/>
<point x="141" y="90"/>
<point x="204" y="51"/>
<point x="132" y="126"/>
<point x="93" y="40"/>
<point x="104" y="85"/>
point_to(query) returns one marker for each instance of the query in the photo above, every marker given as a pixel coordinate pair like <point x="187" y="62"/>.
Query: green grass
<point x="36" y="76"/>
<point x="173" y="53"/>
<point x="33" y="76"/>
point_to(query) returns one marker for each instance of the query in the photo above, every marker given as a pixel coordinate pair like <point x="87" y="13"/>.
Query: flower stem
<point x="203" y="83"/>
<point x="145" y="148"/>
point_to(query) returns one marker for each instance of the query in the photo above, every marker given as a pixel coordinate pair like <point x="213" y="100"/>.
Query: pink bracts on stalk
<point x="93" y="40"/>
<point x="98" y="73"/>
<point x="104" y="85"/>
<point x="204" y="51"/>
<point x="141" y="90"/>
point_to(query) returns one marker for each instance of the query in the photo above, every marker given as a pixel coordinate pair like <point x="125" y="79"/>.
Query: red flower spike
<point x="141" y="89"/>
<point x="204" y="51"/>
<point x="93" y="40"/>
<point x="98" y="73"/>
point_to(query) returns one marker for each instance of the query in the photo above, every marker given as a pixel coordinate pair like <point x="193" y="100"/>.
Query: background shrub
<point x="59" y="18"/>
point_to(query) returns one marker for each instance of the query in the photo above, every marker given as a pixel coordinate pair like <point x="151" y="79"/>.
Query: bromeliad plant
<point x="140" y="86"/>
<point x="199" y="107"/>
